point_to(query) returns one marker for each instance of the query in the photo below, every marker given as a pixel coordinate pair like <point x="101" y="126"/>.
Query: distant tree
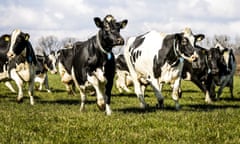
<point x="68" y="42"/>
<point x="222" y="39"/>
<point x="48" y="44"/>
<point x="237" y="44"/>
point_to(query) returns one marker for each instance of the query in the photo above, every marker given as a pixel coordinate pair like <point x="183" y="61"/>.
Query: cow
<point x="4" y="41"/>
<point x="93" y="62"/>
<point x="45" y="63"/>
<point x="159" y="58"/>
<point x="123" y="77"/>
<point x="64" y="57"/>
<point x="224" y="77"/>
<point x="22" y="62"/>
<point x="202" y="72"/>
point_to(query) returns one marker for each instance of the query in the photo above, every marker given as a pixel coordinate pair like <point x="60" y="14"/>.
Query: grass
<point x="55" y="118"/>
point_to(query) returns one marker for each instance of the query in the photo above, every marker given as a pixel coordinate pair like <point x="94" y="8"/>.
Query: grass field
<point x="55" y="118"/>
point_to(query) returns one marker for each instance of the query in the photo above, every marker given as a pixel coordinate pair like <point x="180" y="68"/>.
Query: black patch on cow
<point x="3" y="51"/>
<point x="165" y="54"/>
<point x="121" y="63"/>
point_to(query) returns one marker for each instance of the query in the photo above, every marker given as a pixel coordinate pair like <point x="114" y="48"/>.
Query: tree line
<point x="52" y="43"/>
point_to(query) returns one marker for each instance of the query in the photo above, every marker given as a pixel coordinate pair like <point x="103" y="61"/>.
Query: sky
<point x="74" y="18"/>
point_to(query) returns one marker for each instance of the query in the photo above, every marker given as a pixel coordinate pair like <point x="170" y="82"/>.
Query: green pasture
<point x="55" y="118"/>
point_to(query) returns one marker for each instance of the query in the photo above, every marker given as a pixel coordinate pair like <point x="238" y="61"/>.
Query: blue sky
<point x="74" y="18"/>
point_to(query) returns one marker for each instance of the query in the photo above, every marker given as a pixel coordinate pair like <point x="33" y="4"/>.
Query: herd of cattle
<point x="152" y="58"/>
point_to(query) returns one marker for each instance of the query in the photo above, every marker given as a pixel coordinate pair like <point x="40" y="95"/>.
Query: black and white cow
<point x="202" y="72"/>
<point x="159" y="58"/>
<point x="224" y="77"/>
<point x="4" y="77"/>
<point x="45" y="63"/>
<point x="93" y="61"/>
<point x="65" y="57"/>
<point x="22" y="61"/>
<point x="123" y="78"/>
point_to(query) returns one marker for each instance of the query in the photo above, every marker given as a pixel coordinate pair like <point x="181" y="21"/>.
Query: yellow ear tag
<point x="6" y="38"/>
<point x="26" y="37"/>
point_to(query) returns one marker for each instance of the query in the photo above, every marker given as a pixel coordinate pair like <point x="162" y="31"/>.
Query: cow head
<point x="51" y="62"/>
<point x="109" y="34"/>
<point x="185" y="44"/>
<point x="17" y="43"/>
<point x="217" y="62"/>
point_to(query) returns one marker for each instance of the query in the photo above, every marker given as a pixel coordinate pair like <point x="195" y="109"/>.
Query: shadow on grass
<point x="209" y="107"/>
<point x="65" y="102"/>
<point x="150" y="109"/>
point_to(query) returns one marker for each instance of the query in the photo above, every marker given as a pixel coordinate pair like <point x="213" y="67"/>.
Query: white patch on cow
<point x="189" y="35"/>
<point x="9" y="85"/>
<point x="188" y="77"/>
<point x="14" y="36"/>
<point x="65" y="77"/>
<point x="123" y="79"/>
<point x="149" y="48"/>
<point x="53" y="61"/>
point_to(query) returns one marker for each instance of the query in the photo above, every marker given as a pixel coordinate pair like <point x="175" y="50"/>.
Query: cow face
<point x="51" y="61"/>
<point x="216" y="63"/>
<point x="17" y="43"/>
<point x="186" y="44"/>
<point x="109" y="33"/>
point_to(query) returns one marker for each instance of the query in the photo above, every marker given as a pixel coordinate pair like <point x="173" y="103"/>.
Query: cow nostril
<point x="10" y="55"/>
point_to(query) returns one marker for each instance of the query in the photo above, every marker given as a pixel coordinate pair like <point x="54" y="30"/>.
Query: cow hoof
<point x="101" y="107"/>
<point x="144" y="106"/>
<point x="159" y="106"/>
<point x="20" y="100"/>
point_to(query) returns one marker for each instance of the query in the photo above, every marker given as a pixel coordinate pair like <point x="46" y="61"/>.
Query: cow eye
<point x="184" y="41"/>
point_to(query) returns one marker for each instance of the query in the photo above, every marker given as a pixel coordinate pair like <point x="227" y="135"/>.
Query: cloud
<point x="74" y="18"/>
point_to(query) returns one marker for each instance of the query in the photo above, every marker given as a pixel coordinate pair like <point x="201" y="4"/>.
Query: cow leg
<point x="175" y="93"/>
<point x="99" y="91"/>
<point x="221" y="87"/>
<point x="46" y="83"/>
<point x="9" y="85"/>
<point x="157" y="90"/>
<point x="231" y="87"/>
<point x="83" y="98"/>
<point x="19" y="83"/>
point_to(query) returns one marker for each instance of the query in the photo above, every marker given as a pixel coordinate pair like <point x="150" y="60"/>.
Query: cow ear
<point x="178" y="36"/>
<point x="123" y="24"/>
<point x="199" y="37"/>
<point x="26" y="36"/>
<point x="98" y="22"/>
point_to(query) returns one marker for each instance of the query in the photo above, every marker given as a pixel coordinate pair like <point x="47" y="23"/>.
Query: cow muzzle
<point x="10" y="55"/>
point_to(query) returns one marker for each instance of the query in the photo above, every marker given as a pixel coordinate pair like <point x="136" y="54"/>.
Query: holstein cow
<point x="4" y="77"/>
<point x="123" y="77"/>
<point x="202" y="72"/>
<point x="22" y="62"/>
<point x="223" y="78"/>
<point x="93" y="61"/>
<point x="45" y="63"/>
<point x="64" y="57"/>
<point x="159" y="58"/>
